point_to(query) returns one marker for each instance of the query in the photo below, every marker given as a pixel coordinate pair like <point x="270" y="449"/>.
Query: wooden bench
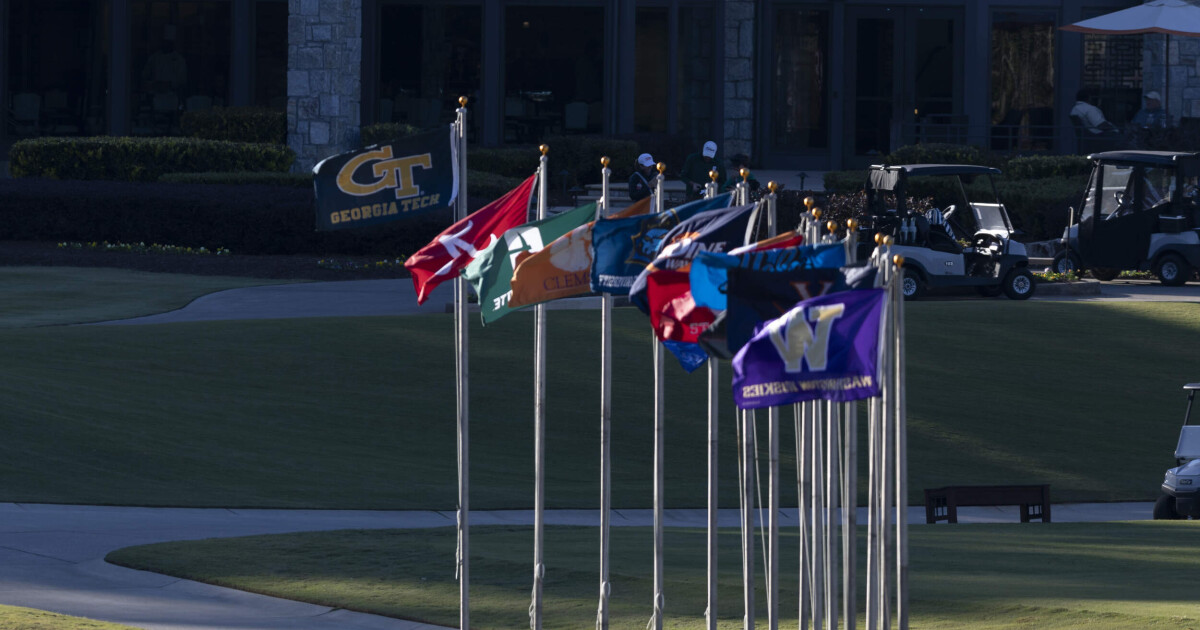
<point x="941" y="504"/>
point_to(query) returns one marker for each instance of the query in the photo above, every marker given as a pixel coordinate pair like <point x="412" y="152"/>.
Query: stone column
<point x="739" y="78"/>
<point x="324" y="78"/>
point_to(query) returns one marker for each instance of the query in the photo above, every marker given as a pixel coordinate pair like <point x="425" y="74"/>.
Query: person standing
<point x="640" y="185"/>
<point x="696" y="168"/>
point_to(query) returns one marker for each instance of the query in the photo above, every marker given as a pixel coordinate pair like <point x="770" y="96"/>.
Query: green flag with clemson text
<point x="492" y="270"/>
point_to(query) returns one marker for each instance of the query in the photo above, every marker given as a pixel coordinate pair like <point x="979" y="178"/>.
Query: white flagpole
<point x="461" y="398"/>
<point x="539" y="421"/>
<point x="710" y="612"/>
<point x="850" y="483"/>
<point x="773" y="500"/>
<point x="656" y="622"/>
<point x="901" y="451"/>
<point x="606" y="304"/>
<point x="748" y="455"/>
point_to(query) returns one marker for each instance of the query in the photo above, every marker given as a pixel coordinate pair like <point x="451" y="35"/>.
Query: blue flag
<point x="621" y="248"/>
<point x="824" y="348"/>
<point x="715" y="231"/>
<point x="708" y="272"/>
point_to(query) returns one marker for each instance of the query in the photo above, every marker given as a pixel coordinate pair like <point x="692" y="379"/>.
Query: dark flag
<point x="825" y="348"/>
<point x="386" y="182"/>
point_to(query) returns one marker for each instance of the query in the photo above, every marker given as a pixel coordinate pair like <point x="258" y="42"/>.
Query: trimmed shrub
<point x="515" y="162"/>
<point x="486" y="187"/>
<point x="386" y="132"/>
<point x="580" y="157"/>
<point x="941" y="153"/>
<point x="259" y="178"/>
<point x="1039" y="207"/>
<point x="1041" y="166"/>
<point x="236" y="124"/>
<point x="1184" y="138"/>
<point x="140" y="159"/>
<point x="844" y="181"/>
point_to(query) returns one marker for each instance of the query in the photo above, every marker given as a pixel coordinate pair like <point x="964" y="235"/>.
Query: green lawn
<point x="358" y="412"/>
<point x="41" y="296"/>
<point x="15" y="618"/>
<point x="1099" y="576"/>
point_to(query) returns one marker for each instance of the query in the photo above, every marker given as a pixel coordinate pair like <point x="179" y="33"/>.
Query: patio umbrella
<point x="1169" y="17"/>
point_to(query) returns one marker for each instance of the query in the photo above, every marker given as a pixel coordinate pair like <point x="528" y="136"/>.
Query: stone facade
<point x="1183" y="62"/>
<point x="739" y="77"/>
<point x="324" y="84"/>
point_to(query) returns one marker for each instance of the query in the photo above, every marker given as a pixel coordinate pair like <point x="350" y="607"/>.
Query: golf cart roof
<point x="938" y="169"/>
<point x="1191" y="386"/>
<point x="1160" y="158"/>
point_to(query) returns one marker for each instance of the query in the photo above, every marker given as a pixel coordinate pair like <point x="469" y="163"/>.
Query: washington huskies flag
<point x="825" y="348"/>
<point x="386" y="182"/>
<point x="459" y="244"/>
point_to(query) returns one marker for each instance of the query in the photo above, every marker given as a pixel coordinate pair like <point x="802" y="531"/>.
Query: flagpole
<point x="461" y="398"/>
<point x="539" y="421"/>
<point x="901" y="451"/>
<point x="606" y="304"/>
<point x="772" y="446"/>
<point x="656" y="622"/>
<point x="710" y="612"/>
<point x="850" y="484"/>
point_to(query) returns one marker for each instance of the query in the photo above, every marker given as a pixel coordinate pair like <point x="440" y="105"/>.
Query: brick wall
<point x="324" y="86"/>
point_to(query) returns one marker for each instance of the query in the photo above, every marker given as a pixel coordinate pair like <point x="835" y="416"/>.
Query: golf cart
<point x="1140" y="212"/>
<point x="1181" y="487"/>
<point x="968" y="243"/>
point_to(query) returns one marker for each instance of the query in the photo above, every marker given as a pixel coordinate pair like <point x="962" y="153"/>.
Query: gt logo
<point x="388" y="173"/>
<point x="796" y="342"/>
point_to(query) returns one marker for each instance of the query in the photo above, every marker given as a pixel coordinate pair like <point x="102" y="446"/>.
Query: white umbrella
<point x="1169" y="17"/>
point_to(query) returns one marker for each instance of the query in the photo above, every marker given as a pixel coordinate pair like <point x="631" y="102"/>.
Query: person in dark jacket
<point x="696" y="168"/>
<point x="641" y="183"/>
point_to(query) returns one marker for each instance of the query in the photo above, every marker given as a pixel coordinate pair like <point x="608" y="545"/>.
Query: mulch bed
<point x="297" y="267"/>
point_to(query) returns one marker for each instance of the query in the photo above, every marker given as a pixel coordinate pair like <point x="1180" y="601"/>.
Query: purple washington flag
<point x="824" y="348"/>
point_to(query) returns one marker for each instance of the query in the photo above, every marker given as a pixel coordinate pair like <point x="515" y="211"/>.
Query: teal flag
<point x="492" y="270"/>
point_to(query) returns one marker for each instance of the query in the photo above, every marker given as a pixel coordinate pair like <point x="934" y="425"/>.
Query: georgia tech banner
<point x="387" y="182"/>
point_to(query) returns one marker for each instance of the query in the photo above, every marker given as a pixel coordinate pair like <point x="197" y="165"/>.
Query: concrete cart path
<point x="52" y="557"/>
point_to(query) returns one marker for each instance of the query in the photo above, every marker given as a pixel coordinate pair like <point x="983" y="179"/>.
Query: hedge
<point x="236" y="124"/>
<point x="140" y="159"/>
<point x="386" y="132"/>
<point x="941" y="153"/>
<point x="1041" y="166"/>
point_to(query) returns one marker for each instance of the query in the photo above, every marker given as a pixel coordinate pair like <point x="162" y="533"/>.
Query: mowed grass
<point x="359" y="412"/>
<point x="17" y="618"/>
<point x="42" y="296"/>
<point x="1104" y="576"/>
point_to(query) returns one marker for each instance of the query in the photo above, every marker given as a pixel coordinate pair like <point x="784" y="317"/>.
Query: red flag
<point x="458" y="244"/>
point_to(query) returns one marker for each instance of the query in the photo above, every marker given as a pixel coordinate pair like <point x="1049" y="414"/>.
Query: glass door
<point x="906" y="80"/>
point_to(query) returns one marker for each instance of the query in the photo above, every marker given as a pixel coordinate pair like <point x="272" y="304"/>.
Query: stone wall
<point x="739" y="78"/>
<point x="324" y="84"/>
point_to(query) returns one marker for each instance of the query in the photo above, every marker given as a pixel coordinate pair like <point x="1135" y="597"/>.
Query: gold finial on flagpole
<point x="713" y="174"/>
<point x="545" y="148"/>
<point x="898" y="260"/>
<point x="816" y="212"/>
<point x="851" y="224"/>
<point x="879" y="238"/>
<point x="662" y="168"/>
<point x="604" y="161"/>
<point x="887" y="240"/>
<point x="808" y="203"/>
<point x="772" y="186"/>
<point x="462" y="101"/>
<point x="745" y="173"/>
<point x="832" y="226"/>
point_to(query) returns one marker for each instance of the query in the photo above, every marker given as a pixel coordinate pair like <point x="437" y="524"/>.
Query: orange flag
<point x="564" y="267"/>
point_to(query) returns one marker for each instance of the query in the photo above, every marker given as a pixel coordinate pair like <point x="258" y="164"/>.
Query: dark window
<point x="57" y="67"/>
<point x="429" y="55"/>
<point x="270" y="54"/>
<point x="1022" y="80"/>
<point x="650" y="76"/>
<point x="694" y="75"/>
<point x="799" y="112"/>
<point x="180" y="53"/>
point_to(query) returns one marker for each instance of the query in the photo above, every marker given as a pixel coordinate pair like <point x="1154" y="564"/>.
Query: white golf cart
<point x="1140" y="211"/>
<point x="1181" y="487"/>
<point x="967" y="243"/>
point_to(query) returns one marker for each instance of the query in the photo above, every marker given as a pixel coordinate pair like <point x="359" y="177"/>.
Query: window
<point x="270" y="54"/>
<point x="695" y="85"/>
<point x="429" y="55"/>
<point x="799" y="111"/>
<point x="180" y="53"/>
<point x="1022" y="73"/>
<point x="650" y="76"/>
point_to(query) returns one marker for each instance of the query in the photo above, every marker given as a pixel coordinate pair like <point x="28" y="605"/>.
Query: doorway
<point x="906" y="81"/>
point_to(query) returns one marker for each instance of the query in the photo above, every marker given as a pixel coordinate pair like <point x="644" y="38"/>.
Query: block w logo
<point x="797" y="342"/>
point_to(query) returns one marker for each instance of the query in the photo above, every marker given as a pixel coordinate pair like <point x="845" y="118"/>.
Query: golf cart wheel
<point x="1104" y="274"/>
<point x="912" y="285"/>
<point x="1164" y="509"/>
<point x="1172" y="270"/>
<point x="1066" y="262"/>
<point x="1019" y="284"/>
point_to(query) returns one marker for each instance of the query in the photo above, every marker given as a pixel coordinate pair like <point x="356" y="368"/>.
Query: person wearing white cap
<point x="1151" y="114"/>
<point x="643" y="173"/>
<point x="696" y="168"/>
